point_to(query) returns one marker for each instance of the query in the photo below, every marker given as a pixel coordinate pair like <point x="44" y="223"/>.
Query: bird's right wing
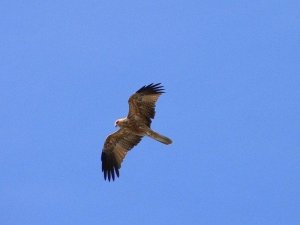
<point x="115" y="149"/>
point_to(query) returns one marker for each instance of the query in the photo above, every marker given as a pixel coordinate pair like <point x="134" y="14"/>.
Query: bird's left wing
<point x="115" y="149"/>
<point x="142" y="103"/>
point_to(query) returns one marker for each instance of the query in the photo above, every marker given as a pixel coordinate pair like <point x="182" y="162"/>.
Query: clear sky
<point x="231" y="70"/>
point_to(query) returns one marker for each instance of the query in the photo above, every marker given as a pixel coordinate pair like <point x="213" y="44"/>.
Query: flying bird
<point x="132" y="129"/>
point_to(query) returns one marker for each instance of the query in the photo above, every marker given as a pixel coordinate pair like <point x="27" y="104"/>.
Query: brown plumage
<point x="132" y="129"/>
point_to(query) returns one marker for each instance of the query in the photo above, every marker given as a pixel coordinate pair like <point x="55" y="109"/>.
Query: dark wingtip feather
<point x="152" y="89"/>
<point x="109" y="166"/>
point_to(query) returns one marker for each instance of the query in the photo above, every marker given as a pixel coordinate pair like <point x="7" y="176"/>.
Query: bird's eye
<point x="117" y="122"/>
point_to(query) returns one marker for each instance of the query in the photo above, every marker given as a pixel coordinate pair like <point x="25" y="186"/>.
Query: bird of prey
<point x="132" y="129"/>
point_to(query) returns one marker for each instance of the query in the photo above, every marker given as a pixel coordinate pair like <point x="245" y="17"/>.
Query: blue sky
<point x="232" y="76"/>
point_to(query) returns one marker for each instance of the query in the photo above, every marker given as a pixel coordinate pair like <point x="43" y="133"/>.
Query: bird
<point x="132" y="129"/>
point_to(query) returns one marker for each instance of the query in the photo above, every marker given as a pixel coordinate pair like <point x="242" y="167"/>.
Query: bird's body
<point x="133" y="128"/>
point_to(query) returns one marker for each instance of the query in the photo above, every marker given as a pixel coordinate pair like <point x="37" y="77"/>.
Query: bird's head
<point x="120" y="122"/>
<point x="116" y="123"/>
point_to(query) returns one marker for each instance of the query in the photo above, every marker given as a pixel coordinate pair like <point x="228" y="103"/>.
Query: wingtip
<point x="156" y="88"/>
<point x="109" y="167"/>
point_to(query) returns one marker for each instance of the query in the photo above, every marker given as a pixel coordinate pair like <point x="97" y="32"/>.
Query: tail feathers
<point x="159" y="137"/>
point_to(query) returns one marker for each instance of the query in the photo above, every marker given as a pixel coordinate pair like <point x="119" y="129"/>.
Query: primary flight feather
<point x="132" y="129"/>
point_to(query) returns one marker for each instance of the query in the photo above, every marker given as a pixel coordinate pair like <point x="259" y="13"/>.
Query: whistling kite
<point x="132" y="129"/>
